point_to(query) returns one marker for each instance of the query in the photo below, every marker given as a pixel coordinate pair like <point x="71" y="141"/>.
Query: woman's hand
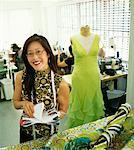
<point x="28" y="108"/>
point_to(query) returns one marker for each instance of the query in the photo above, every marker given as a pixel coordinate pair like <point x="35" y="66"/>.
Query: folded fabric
<point x="41" y="116"/>
<point x="120" y="115"/>
<point x="113" y="127"/>
<point x="106" y="138"/>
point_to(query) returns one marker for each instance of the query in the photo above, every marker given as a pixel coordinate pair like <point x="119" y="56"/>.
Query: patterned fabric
<point x="44" y="93"/>
<point x="114" y="126"/>
<point x="78" y="143"/>
<point x="89" y="134"/>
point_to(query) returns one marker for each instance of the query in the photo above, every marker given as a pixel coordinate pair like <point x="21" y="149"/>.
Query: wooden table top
<point x="104" y="78"/>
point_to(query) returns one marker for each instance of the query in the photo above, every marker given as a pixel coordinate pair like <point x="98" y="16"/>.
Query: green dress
<point x="86" y="101"/>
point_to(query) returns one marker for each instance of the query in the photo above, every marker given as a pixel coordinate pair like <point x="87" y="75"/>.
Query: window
<point x="108" y="18"/>
<point x="16" y="26"/>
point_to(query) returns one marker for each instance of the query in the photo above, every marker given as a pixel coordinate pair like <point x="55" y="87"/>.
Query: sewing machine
<point x="110" y="64"/>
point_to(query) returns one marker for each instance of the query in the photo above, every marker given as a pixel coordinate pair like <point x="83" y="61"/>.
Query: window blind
<point x="108" y="18"/>
<point x="13" y="27"/>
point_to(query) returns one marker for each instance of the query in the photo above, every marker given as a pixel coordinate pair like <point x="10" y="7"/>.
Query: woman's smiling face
<point x="37" y="56"/>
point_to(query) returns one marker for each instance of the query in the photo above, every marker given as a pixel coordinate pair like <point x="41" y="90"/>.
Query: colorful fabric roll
<point x="114" y="127"/>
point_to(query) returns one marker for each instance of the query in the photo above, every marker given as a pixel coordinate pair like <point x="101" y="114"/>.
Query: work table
<point x="122" y="141"/>
<point x="103" y="78"/>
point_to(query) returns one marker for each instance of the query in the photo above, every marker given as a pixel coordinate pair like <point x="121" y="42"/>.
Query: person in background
<point x="67" y="62"/>
<point x="18" y="60"/>
<point x="39" y="82"/>
<point x="86" y="101"/>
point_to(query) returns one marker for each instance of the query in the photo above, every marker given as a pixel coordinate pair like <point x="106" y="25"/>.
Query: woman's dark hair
<point x="30" y="72"/>
<point x="70" y="50"/>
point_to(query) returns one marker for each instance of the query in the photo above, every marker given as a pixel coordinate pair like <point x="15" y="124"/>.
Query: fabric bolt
<point x="114" y="126"/>
<point x="86" y="102"/>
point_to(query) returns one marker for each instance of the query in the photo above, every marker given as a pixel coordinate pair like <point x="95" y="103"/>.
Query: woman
<point x="67" y="62"/>
<point x="37" y="83"/>
<point x="86" y="102"/>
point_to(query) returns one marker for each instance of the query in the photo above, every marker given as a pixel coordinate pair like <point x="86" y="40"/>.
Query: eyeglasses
<point x="37" y="52"/>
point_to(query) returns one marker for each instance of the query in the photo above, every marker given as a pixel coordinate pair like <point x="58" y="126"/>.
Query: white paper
<point x="38" y="110"/>
<point x="41" y="116"/>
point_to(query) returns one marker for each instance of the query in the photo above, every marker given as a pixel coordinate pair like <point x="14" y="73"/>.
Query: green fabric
<point x="78" y="144"/>
<point x="86" y="102"/>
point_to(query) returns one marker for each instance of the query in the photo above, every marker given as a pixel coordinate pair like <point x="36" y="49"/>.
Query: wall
<point x="38" y="21"/>
<point x="51" y="24"/>
<point x="44" y="16"/>
<point x="130" y="84"/>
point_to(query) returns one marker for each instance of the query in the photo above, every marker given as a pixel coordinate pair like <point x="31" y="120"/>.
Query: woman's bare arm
<point x="63" y="98"/>
<point x="27" y="106"/>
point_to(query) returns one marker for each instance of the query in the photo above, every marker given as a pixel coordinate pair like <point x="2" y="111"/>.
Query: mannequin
<point x="86" y="101"/>
<point x="85" y="33"/>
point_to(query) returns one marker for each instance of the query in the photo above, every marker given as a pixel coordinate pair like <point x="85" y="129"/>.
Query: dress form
<point x="85" y="37"/>
<point x="85" y="31"/>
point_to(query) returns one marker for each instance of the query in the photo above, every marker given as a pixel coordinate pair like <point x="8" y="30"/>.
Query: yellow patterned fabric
<point x="90" y="132"/>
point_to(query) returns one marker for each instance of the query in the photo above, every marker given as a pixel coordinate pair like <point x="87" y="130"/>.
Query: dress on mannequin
<point x="86" y="101"/>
